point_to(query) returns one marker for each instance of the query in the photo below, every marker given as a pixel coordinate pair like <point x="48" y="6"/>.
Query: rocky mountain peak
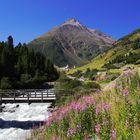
<point x="73" y="22"/>
<point x="72" y="44"/>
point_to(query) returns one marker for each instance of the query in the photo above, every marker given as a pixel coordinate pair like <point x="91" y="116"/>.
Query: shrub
<point x="90" y="74"/>
<point x="77" y="74"/>
<point x="67" y="83"/>
<point x="5" y="83"/>
<point x="91" y="85"/>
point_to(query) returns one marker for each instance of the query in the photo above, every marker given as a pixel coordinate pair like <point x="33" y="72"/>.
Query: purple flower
<point x="53" y="138"/>
<point x="79" y="126"/>
<point x="71" y="132"/>
<point x="98" y="128"/>
<point x="98" y="110"/>
<point x="113" y="134"/>
<point x="128" y="73"/>
<point x="83" y="107"/>
<point x="86" y="137"/>
<point x="105" y="106"/>
<point x="102" y="107"/>
<point x="126" y="124"/>
<point x="125" y="92"/>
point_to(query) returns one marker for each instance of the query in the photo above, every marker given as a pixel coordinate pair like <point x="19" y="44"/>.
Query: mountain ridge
<point x="72" y="43"/>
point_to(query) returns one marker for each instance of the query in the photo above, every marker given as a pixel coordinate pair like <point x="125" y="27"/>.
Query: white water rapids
<point x="16" y="120"/>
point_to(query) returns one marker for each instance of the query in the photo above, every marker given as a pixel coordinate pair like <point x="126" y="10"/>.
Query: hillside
<point x="111" y="114"/>
<point x="125" y="51"/>
<point x="72" y="43"/>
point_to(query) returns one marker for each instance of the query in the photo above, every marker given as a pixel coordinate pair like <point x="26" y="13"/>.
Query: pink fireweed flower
<point x="105" y="106"/>
<point x="49" y="121"/>
<point x="71" y="132"/>
<point x="98" y="128"/>
<point x="126" y="124"/>
<point x="88" y="100"/>
<point x="76" y="106"/>
<point x="113" y="134"/>
<point x="102" y="107"/>
<point x="87" y="137"/>
<point x="125" y="92"/>
<point x="79" y="126"/>
<point x="128" y="73"/>
<point x="83" y="107"/>
<point x="98" y="110"/>
<point x="53" y="138"/>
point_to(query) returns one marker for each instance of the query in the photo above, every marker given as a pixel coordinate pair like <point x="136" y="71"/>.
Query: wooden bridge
<point x="28" y="96"/>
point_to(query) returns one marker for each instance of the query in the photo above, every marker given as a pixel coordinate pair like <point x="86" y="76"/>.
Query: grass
<point x="105" y="115"/>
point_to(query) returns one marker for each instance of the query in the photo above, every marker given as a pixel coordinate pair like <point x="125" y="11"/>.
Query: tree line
<point x="21" y="67"/>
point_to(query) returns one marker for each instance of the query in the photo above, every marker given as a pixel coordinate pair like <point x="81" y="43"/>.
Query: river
<point x="16" y="120"/>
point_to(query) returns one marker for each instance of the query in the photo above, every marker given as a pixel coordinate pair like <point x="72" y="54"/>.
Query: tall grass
<point x="106" y="115"/>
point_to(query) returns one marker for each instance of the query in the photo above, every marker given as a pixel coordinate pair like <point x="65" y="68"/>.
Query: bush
<point x="90" y="74"/>
<point x="91" y="85"/>
<point x="67" y="83"/>
<point x="77" y="74"/>
<point x="5" y="83"/>
<point x="25" y="77"/>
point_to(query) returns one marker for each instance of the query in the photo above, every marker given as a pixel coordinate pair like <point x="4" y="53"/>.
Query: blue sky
<point x="27" y="19"/>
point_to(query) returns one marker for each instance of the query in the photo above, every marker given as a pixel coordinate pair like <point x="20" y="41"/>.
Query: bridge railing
<point x="30" y="94"/>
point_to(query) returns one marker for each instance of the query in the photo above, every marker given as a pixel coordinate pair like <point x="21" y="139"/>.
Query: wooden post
<point x="42" y="97"/>
<point x="28" y="98"/>
<point x="47" y="93"/>
<point x="14" y="96"/>
<point x="35" y="93"/>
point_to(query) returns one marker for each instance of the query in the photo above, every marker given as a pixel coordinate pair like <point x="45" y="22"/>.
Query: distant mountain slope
<point x="125" y="51"/>
<point x="72" y="43"/>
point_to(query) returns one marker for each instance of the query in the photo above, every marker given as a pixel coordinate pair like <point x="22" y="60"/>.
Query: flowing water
<point x="17" y="120"/>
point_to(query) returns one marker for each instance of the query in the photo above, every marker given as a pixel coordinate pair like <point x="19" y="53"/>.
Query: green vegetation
<point x="20" y="67"/>
<point x="88" y="74"/>
<point x="73" y="89"/>
<point x="125" y="51"/>
<point x="106" y="115"/>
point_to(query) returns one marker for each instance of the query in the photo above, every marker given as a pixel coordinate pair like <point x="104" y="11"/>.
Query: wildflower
<point x="98" y="128"/>
<point x="125" y="92"/>
<point x="87" y="137"/>
<point x="113" y="134"/>
<point x="49" y="121"/>
<point x="105" y="106"/>
<point x="98" y="110"/>
<point x="53" y="138"/>
<point x="77" y="106"/>
<point x="83" y="107"/>
<point x="79" y="126"/>
<point x="71" y="132"/>
<point x="128" y="73"/>
<point x="126" y="124"/>
<point x="102" y="107"/>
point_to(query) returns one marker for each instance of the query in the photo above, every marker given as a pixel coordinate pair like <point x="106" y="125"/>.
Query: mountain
<point x="124" y="51"/>
<point x="72" y="43"/>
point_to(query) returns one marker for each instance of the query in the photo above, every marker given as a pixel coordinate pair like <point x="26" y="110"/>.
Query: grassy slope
<point x="105" y="115"/>
<point x="101" y="60"/>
